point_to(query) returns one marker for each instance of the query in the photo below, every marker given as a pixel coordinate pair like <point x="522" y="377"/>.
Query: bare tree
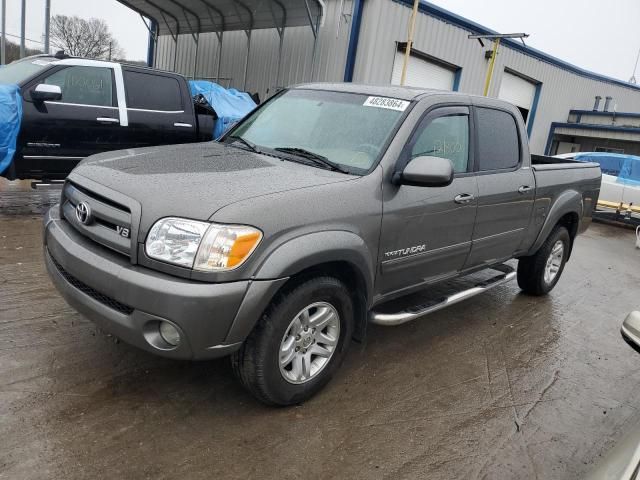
<point x="13" y="51"/>
<point x="84" y="38"/>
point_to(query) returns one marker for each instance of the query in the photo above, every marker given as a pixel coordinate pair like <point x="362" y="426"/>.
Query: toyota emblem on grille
<point x="83" y="213"/>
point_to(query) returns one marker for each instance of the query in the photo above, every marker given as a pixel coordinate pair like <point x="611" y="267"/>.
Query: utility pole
<point x="494" y="53"/>
<point x="492" y="63"/>
<point x="23" y="25"/>
<point x="47" y="26"/>
<point x="3" y="26"/>
<point x="633" y="75"/>
<point x="407" y="51"/>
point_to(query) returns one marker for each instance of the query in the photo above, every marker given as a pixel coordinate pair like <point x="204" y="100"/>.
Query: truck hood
<point x="196" y="180"/>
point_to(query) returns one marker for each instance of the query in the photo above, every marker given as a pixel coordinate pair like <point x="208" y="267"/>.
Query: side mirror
<point x="427" y="171"/>
<point x="44" y="92"/>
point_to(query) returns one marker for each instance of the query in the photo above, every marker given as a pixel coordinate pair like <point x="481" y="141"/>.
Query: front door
<point x="426" y="231"/>
<point x="56" y="135"/>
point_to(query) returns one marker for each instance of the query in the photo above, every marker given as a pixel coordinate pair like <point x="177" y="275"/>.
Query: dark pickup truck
<point x="74" y="108"/>
<point x="326" y="208"/>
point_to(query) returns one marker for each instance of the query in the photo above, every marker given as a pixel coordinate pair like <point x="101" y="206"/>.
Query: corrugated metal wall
<point x="263" y="61"/>
<point x="385" y="23"/>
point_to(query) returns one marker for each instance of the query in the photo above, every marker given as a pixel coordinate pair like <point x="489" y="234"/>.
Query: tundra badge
<point x="403" y="252"/>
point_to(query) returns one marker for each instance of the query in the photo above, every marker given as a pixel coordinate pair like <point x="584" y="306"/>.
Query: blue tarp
<point x="625" y="167"/>
<point x="10" y="118"/>
<point x="230" y="104"/>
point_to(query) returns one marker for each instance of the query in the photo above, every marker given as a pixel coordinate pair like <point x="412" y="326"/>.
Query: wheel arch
<point x="340" y="254"/>
<point x="349" y="274"/>
<point x="565" y="211"/>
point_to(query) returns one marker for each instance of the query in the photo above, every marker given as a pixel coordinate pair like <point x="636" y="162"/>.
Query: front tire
<point x="298" y="344"/>
<point x="539" y="273"/>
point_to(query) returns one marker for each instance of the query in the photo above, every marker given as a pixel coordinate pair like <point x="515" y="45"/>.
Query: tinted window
<point x="445" y="137"/>
<point x="498" y="143"/>
<point x="152" y="92"/>
<point x="84" y="85"/>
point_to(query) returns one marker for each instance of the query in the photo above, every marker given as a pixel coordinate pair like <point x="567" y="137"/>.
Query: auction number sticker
<point x="386" y="102"/>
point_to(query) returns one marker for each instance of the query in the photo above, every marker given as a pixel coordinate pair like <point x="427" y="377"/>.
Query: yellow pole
<point x="407" y="52"/>
<point x="492" y="63"/>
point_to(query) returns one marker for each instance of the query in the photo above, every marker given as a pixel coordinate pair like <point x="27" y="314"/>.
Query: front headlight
<point x="202" y="246"/>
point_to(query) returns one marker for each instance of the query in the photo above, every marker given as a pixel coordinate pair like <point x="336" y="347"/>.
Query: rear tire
<point x="539" y="273"/>
<point x="282" y="363"/>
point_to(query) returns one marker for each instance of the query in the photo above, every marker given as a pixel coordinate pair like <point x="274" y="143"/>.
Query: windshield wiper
<point x="247" y="143"/>
<point x="316" y="157"/>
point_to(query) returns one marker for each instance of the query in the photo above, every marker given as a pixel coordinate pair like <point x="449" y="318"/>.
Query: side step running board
<point x="390" y="319"/>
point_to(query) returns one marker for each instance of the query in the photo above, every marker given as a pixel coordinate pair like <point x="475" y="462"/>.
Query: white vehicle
<point x="620" y="178"/>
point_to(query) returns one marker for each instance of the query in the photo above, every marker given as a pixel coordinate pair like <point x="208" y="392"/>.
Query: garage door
<point x="422" y="73"/>
<point x="517" y="90"/>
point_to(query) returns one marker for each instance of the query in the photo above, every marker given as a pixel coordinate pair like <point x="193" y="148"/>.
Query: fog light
<point x="169" y="334"/>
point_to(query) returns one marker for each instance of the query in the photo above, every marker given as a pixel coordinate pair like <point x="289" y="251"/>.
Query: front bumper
<point x="129" y="301"/>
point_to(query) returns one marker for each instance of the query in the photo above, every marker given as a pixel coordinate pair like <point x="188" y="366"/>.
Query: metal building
<point x="284" y="42"/>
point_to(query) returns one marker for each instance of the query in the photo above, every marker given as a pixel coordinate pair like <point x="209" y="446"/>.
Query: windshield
<point x="19" y="71"/>
<point x="347" y="129"/>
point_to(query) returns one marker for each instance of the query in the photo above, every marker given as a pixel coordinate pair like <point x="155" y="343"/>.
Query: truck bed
<point x="543" y="162"/>
<point x="581" y="178"/>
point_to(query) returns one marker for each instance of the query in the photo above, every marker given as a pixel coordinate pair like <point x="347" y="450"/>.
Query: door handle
<point x="524" y="189"/>
<point x="107" y="120"/>
<point x="183" y="125"/>
<point x="463" y="198"/>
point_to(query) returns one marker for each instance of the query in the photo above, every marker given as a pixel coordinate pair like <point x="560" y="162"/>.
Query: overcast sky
<point x="126" y="25"/>
<point x="598" y="35"/>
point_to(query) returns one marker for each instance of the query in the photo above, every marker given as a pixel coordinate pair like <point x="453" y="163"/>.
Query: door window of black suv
<point x="152" y="92"/>
<point x="84" y="85"/>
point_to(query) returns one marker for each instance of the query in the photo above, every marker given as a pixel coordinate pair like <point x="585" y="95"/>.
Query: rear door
<point x="159" y="107"/>
<point x="56" y="135"/>
<point x="506" y="187"/>
<point x="426" y="231"/>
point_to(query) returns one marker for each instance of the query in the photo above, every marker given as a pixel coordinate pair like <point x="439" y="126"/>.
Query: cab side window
<point x="498" y="141"/>
<point x="84" y="85"/>
<point x="445" y="137"/>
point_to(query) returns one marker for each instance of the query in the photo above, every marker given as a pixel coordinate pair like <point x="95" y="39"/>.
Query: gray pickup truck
<point x="327" y="208"/>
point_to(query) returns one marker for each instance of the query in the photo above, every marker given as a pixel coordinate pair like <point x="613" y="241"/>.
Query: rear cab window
<point x="498" y="140"/>
<point x="145" y="91"/>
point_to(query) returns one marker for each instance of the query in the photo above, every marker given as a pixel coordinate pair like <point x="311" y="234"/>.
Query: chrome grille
<point x="106" y="219"/>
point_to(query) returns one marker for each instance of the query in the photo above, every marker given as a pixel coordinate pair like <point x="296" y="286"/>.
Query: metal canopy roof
<point x="175" y="17"/>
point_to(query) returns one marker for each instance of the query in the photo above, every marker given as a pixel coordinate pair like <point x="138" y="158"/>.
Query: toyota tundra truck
<point x="329" y="207"/>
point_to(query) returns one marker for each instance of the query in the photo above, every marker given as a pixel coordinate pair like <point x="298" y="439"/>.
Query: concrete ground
<point x="500" y="386"/>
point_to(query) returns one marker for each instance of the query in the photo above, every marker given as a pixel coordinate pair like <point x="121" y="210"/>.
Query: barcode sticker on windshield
<point x="385" y="102"/>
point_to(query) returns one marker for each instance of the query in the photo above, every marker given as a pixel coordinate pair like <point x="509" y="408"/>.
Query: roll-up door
<point x="422" y="73"/>
<point x="519" y="91"/>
